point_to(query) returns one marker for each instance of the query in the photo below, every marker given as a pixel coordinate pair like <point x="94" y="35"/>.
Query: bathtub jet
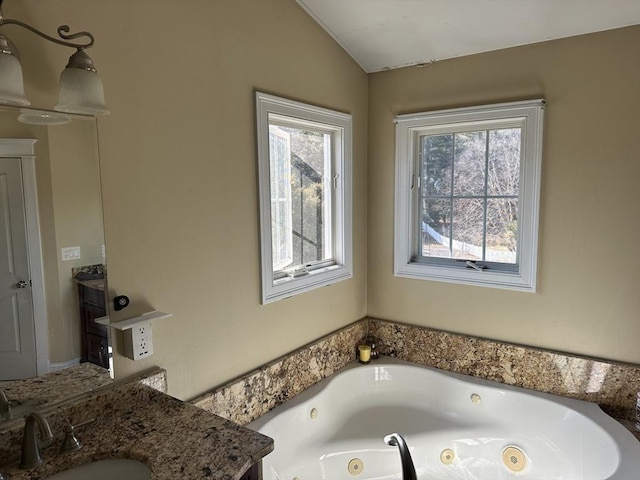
<point x="458" y="427"/>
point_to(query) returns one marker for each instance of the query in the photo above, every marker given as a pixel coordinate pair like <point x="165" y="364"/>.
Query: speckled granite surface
<point x="89" y="271"/>
<point x="254" y="394"/>
<point x="176" y="439"/>
<point x="54" y="387"/>
<point x="156" y="379"/>
<point x="611" y="385"/>
<point x="11" y="430"/>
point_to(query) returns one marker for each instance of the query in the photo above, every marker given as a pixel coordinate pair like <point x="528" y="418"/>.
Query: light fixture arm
<point x="81" y="90"/>
<point x="62" y="32"/>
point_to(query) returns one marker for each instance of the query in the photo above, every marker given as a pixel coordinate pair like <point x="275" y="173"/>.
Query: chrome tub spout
<point x="408" y="470"/>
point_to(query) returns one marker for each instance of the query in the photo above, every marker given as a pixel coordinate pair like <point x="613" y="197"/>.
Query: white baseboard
<point x="54" y="367"/>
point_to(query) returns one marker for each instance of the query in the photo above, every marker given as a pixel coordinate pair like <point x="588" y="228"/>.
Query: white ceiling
<point x="384" y="34"/>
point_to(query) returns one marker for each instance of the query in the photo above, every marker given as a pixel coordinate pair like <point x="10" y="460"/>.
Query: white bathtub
<point x="344" y="418"/>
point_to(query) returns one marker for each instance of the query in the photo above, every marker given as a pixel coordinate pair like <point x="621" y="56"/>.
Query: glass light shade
<point x="11" y="83"/>
<point x="81" y="92"/>
<point x="42" y="117"/>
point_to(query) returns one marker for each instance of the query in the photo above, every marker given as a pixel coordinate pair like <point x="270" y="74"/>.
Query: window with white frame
<point x="304" y="176"/>
<point x="467" y="195"/>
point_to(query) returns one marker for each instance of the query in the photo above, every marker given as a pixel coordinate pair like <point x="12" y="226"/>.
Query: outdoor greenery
<point x="469" y="194"/>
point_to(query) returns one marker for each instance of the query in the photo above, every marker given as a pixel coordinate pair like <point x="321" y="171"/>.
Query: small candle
<point x="364" y="353"/>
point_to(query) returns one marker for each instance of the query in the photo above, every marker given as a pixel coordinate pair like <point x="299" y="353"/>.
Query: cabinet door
<point x="92" y="312"/>
<point x="98" y="350"/>
<point x="94" y="296"/>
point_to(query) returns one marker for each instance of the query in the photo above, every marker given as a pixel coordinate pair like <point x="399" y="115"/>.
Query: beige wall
<point x="588" y="299"/>
<point x="178" y="164"/>
<point x="179" y="179"/>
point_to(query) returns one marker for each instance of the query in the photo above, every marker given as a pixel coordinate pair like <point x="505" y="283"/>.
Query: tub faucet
<point x="374" y="343"/>
<point x="30" y="448"/>
<point x="408" y="470"/>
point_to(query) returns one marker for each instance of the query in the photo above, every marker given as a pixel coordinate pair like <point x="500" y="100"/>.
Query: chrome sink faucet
<point x="408" y="470"/>
<point x="30" y="447"/>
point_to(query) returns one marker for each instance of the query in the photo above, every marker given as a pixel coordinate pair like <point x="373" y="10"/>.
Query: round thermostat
<point x="120" y="302"/>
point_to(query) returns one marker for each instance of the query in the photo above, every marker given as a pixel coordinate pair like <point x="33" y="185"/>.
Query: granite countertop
<point x="96" y="284"/>
<point x="175" y="439"/>
<point x="54" y="387"/>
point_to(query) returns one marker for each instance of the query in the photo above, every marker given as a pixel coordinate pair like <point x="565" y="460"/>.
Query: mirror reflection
<point x="52" y="254"/>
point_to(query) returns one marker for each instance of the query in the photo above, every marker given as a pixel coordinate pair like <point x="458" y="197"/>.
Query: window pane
<point x="436" y="228"/>
<point x="502" y="230"/>
<point x="468" y="228"/>
<point x="437" y="157"/>
<point x="280" y="235"/>
<point x="504" y="161"/>
<point x="310" y="164"/>
<point x="280" y="184"/>
<point x="469" y="166"/>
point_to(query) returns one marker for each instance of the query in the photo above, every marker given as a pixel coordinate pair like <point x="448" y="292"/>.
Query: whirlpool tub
<point x="456" y="427"/>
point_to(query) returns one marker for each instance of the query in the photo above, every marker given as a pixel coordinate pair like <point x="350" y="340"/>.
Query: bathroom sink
<point x="112" y="469"/>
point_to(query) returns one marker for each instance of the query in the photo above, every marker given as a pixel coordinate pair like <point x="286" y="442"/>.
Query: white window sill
<point x="524" y="282"/>
<point x="288" y="286"/>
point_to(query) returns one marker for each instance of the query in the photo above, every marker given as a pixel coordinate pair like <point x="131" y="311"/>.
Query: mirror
<point x="47" y="310"/>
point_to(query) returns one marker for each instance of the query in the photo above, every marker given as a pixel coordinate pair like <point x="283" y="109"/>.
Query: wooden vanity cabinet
<point x="93" y="336"/>
<point x="254" y="473"/>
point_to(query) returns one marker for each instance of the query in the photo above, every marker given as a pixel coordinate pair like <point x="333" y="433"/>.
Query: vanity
<point x="133" y="420"/>
<point x="93" y="336"/>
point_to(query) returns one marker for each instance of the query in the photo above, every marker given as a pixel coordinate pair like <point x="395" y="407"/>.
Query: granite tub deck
<point x="175" y="439"/>
<point x="250" y="396"/>
<point x="611" y="385"/>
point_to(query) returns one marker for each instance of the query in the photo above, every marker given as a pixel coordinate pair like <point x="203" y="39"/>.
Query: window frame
<point x="279" y="285"/>
<point x="407" y="237"/>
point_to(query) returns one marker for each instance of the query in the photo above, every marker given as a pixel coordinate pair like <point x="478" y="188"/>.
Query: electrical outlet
<point x="138" y="341"/>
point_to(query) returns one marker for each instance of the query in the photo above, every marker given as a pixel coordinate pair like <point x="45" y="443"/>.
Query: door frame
<point x="24" y="149"/>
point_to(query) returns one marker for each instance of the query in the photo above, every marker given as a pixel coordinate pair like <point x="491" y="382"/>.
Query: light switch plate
<point x="70" y="253"/>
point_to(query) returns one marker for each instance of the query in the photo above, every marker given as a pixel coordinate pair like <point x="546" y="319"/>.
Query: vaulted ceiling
<point x="386" y="34"/>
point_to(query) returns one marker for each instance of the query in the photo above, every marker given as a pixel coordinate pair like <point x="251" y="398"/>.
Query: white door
<point x="17" y="330"/>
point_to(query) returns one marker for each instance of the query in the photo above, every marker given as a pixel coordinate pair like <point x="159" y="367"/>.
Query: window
<point x="304" y="175"/>
<point x="467" y="195"/>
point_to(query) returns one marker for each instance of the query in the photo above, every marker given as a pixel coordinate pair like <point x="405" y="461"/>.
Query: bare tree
<point x="470" y="190"/>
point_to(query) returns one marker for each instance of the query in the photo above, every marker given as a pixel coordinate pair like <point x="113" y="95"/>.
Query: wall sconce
<point x="81" y="88"/>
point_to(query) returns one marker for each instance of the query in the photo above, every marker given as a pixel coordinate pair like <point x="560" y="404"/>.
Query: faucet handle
<point x="71" y="442"/>
<point x="374" y="343"/>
